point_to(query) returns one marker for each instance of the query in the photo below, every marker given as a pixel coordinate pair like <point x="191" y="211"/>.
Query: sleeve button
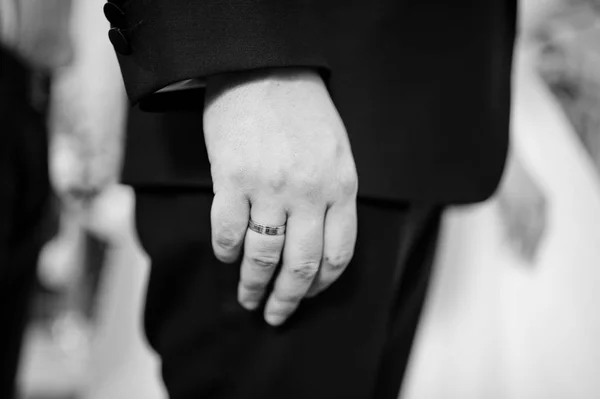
<point x="115" y="15"/>
<point x="119" y="41"/>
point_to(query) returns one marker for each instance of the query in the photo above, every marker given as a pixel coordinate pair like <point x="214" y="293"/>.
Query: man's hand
<point x="280" y="154"/>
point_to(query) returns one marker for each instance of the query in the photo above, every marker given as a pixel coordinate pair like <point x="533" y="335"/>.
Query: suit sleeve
<point x="161" y="42"/>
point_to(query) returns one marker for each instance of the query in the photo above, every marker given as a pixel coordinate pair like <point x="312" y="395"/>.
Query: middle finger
<point x="301" y="258"/>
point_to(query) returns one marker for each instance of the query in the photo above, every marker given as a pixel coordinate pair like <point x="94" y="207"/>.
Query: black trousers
<point x="351" y="341"/>
<point x="24" y="218"/>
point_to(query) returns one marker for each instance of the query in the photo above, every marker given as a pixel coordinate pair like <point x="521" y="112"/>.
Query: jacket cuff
<point x="161" y="42"/>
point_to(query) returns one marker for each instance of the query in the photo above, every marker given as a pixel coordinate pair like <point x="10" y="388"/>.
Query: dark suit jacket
<point x="423" y="86"/>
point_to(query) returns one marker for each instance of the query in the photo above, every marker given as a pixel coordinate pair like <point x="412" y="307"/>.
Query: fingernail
<point x="274" y="319"/>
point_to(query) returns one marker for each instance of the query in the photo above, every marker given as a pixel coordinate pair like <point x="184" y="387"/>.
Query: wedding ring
<point x="266" y="230"/>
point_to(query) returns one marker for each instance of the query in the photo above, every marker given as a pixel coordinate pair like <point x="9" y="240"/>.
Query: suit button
<point x="119" y="41"/>
<point x="115" y="15"/>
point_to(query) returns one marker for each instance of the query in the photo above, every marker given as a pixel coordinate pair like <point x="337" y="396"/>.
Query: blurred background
<point x="512" y="312"/>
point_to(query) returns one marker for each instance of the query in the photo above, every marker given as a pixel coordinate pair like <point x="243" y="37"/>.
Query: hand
<point x="280" y="154"/>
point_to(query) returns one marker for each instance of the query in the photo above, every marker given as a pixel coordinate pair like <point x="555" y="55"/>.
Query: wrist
<point x="216" y="85"/>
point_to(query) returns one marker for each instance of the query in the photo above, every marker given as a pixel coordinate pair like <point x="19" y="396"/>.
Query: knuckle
<point x="305" y="270"/>
<point x="338" y="262"/>
<point x="310" y="185"/>
<point x="227" y="240"/>
<point x="237" y="176"/>
<point x="277" y="182"/>
<point x="349" y="184"/>
<point x="265" y="261"/>
<point x="254" y="285"/>
<point x="227" y="235"/>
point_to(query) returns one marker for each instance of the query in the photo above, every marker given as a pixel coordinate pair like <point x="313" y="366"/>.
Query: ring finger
<point x="262" y="253"/>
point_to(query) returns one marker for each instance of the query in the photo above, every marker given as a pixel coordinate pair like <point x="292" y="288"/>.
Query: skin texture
<point x="280" y="154"/>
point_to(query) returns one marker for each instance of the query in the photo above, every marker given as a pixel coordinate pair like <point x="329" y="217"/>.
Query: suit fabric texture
<point x="351" y="341"/>
<point x="423" y="88"/>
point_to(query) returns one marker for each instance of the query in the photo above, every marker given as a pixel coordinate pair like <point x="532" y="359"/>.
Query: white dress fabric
<point x="495" y="326"/>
